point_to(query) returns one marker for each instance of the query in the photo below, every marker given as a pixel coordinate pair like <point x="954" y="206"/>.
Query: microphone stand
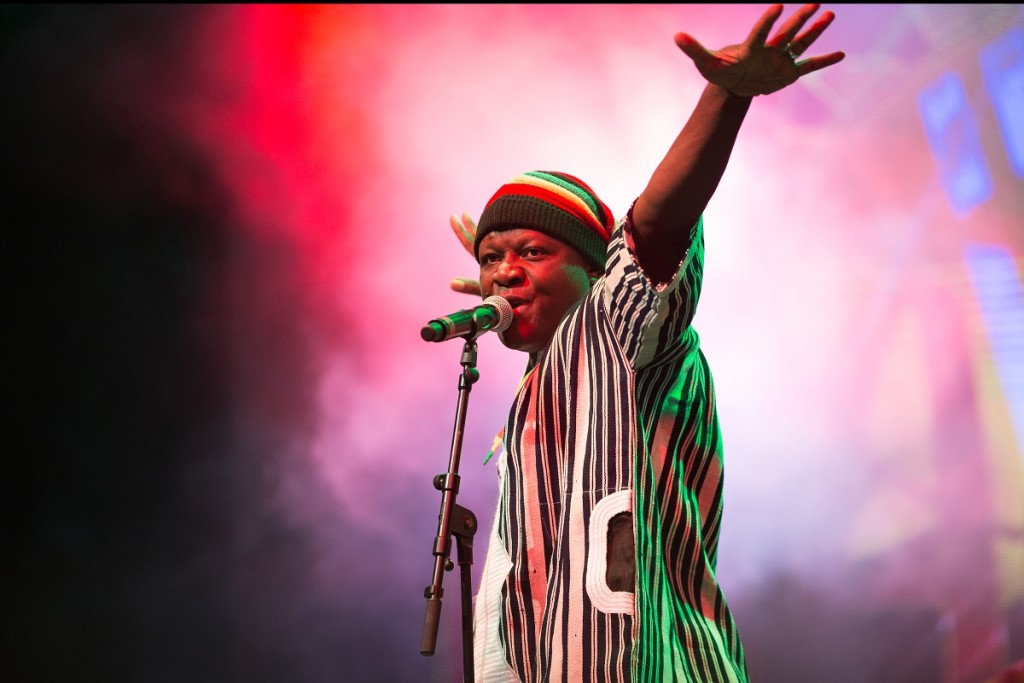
<point x="454" y="520"/>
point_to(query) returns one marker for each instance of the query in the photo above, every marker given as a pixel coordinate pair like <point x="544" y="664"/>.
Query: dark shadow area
<point x="113" y="496"/>
<point x="160" y="384"/>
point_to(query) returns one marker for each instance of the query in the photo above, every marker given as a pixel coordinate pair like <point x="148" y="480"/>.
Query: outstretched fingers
<point x="800" y="44"/>
<point x="465" y="231"/>
<point x="806" y="66"/>
<point x="759" y="34"/>
<point x="792" y="26"/>
<point x="763" y="65"/>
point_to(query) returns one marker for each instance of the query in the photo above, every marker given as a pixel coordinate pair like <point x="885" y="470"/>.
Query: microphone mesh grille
<point x="504" y="309"/>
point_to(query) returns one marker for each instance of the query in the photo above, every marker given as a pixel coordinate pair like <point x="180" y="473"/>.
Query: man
<point x="601" y="561"/>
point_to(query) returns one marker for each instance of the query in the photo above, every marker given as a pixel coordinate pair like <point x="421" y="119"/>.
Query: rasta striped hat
<point x="557" y="204"/>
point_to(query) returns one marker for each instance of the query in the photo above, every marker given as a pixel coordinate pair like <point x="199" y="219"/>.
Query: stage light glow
<point x="955" y="141"/>
<point x="1002" y="65"/>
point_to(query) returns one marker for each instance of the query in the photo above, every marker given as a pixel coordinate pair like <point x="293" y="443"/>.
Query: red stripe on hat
<point x="555" y="199"/>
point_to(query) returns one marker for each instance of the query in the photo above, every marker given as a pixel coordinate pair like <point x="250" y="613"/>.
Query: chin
<point x="514" y="343"/>
<point x="517" y="342"/>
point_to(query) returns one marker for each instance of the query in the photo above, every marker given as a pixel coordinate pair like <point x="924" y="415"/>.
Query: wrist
<point x="727" y="94"/>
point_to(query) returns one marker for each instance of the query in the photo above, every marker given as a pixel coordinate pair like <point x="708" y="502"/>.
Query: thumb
<point x="466" y="286"/>
<point x="691" y="47"/>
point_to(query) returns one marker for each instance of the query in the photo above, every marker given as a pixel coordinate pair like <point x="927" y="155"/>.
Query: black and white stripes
<point x="622" y="401"/>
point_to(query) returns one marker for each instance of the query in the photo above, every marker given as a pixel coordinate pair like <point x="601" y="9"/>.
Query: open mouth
<point x="516" y="303"/>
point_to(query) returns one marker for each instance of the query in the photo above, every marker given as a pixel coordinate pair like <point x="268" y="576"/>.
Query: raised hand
<point x="760" y="65"/>
<point x="465" y="231"/>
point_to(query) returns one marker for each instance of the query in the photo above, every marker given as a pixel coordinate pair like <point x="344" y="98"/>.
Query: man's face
<point x="541" y="277"/>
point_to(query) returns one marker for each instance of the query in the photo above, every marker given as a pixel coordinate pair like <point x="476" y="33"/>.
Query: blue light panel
<point x="1002" y="67"/>
<point x="955" y="143"/>
<point x="997" y="287"/>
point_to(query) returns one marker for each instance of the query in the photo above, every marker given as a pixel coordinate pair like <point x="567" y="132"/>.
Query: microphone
<point x="495" y="313"/>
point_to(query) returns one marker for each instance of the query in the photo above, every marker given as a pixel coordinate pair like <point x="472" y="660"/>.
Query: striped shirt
<point x="616" y="416"/>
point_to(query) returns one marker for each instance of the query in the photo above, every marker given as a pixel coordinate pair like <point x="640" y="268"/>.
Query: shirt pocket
<point x="611" y="563"/>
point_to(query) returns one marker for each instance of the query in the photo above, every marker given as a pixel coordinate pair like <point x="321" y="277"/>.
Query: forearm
<point x="685" y="180"/>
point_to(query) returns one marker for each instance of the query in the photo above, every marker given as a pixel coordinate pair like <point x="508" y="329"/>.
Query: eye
<point x="533" y="252"/>
<point x="488" y="257"/>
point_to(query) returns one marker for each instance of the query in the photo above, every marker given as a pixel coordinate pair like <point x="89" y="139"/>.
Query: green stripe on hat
<point x="578" y="188"/>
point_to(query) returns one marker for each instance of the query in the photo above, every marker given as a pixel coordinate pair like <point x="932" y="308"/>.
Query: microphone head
<point x="504" y="309"/>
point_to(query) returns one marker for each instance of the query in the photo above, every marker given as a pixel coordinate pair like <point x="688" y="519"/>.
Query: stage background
<point x="225" y="224"/>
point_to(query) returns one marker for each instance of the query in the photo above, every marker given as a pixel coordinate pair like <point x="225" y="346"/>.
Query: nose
<point x="509" y="273"/>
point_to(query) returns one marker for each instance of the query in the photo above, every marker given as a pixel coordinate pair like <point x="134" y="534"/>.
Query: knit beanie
<point x="557" y="204"/>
